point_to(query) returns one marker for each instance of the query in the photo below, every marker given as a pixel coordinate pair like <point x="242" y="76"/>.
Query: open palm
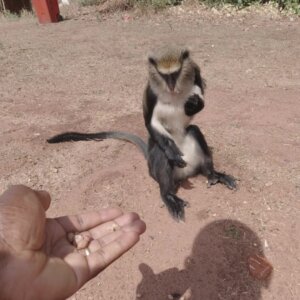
<point x="37" y="254"/>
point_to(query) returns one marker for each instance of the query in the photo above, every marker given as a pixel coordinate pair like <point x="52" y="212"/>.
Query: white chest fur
<point x="192" y="155"/>
<point x="169" y="119"/>
<point x="169" y="116"/>
<point x="172" y="119"/>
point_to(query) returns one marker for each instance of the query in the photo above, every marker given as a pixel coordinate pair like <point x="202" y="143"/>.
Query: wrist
<point x="6" y="287"/>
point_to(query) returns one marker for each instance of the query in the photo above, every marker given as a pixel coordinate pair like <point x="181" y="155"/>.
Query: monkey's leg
<point x="162" y="171"/>
<point x="168" y="146"/>
<point x="207" y="169"/>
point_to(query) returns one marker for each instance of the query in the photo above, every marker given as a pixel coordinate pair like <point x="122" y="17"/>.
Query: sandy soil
<point x="88" y="73"/>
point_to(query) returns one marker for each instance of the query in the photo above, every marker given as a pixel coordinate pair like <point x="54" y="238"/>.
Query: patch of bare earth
<point x="88" y="73"/>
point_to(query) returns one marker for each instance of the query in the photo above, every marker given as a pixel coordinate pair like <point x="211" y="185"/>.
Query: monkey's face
<point x="171" y="72"/>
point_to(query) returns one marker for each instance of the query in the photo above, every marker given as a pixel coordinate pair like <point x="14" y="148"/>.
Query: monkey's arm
<point x="158" y="133"/>
<point x="199" y="81"/>
<point x="168" y="146"/>
<point x="195" y="102"/>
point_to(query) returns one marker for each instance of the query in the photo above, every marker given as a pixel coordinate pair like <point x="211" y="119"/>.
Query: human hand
<point x="38" y="261"/>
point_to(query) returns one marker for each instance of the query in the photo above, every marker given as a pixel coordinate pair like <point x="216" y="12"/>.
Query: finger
<point x="87" y="267"/>
<point x="17" y="192"/>
<point x="86" y="221"/>
<point x="24" y="205"/>
<point x="108" y="231"/>
<point x="44" y="198"/>
<point x="113" y="225"/>
<point x="137" y="226"/>
<point x="127" y="222"/>
<point x="102" y="258"/>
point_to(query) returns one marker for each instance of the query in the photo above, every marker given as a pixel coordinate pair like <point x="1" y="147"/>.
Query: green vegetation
<point x="156" y="4"/>
<point x="16" y="16"/>
<point x="286" y="5"/>
<point x="292" y="5"/>
<point x="10" y="16"/>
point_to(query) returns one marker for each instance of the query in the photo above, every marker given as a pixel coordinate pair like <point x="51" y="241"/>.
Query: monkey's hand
<point x="193" y="105"/>
<point x="174" y="155"/>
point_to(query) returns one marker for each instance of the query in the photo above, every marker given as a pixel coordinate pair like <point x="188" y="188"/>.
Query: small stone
<point x="187" y="295"/>
<point x="266" y="245"/>
<point x="81" y="241"/>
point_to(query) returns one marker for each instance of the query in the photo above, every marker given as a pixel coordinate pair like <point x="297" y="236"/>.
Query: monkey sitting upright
<point x="176" y="150"/>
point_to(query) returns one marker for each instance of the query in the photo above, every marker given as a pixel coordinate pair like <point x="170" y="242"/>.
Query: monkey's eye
<point x="185" y="54"/>
<point x="172" y="76"/>
<point x="152" y="61"/>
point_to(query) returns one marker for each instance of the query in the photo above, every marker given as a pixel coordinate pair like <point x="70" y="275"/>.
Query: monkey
<point x="173" y="79"/>
<point x="176" y="150"/>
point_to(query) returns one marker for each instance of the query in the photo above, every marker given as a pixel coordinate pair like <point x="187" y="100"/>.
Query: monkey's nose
<point x="171" y="86"/>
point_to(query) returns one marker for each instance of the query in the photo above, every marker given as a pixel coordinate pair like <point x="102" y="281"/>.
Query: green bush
<point x="290" y="5"/>
<point x="157" y="4"/>
<point x="240" y="3"/>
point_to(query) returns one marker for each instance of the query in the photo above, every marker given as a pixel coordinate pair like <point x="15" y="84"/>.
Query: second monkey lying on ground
<point x="176" y="150"/>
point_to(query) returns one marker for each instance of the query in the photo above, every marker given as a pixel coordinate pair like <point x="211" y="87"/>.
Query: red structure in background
<point x="47" y="11"/>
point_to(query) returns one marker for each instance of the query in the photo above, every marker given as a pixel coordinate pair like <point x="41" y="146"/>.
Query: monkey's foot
<point x="175" y="206"/>
<point x="225" y="179"/>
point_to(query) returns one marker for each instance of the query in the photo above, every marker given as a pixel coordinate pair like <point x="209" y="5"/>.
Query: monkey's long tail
<point x="99" y="136"/>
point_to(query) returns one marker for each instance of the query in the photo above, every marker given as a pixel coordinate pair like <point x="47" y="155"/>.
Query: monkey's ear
<point x="185" y="54"/>
<point x="152" y="61"/>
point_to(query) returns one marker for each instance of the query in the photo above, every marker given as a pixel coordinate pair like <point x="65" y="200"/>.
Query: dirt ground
<point x="88" y="73"/>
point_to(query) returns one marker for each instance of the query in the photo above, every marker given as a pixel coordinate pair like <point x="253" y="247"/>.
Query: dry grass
<point x="115" y="5"/>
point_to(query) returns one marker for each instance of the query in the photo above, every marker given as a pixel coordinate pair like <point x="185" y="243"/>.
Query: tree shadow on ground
<point x="216" y="269"/>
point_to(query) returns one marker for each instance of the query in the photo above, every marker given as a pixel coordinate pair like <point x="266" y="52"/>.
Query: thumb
<point x="44" y="198"/>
